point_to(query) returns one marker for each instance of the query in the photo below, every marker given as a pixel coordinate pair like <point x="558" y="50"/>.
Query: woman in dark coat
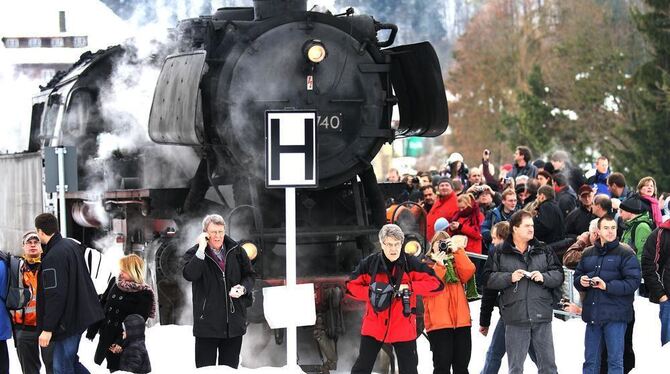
<point x="124" y="296"/>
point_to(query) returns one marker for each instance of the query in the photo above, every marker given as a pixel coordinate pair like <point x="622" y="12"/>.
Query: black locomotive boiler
<point x="223" y="72"/>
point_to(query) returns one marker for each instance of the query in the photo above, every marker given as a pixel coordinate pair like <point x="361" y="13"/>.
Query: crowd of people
<point x="533" y="222"/>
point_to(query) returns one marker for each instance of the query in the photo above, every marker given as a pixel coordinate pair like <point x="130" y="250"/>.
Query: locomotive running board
<point x="417" y="81"/>
<point x="176" y="110"/>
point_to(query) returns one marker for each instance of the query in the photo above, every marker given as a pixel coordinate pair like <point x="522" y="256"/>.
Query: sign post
<point x="60" y="175"/>
<point x="290" y="163"/>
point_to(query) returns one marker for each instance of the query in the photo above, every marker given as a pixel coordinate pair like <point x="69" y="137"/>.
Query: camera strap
<point x="400" y="271"/>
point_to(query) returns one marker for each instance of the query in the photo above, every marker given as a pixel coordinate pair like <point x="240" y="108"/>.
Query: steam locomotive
<point x="223" y="73"/>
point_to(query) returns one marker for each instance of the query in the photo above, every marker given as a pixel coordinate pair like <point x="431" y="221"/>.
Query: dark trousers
<point x="28" y="351"/>
<point x="367" y="354"/>
<point x="451" y="349"/>
<point x="228" y="349"/>
<point x="4" y="357"/>
<point x="66" y="360"/>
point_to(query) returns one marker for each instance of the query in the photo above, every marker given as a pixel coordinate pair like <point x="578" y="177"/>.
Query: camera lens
<point x="443" y="245"/>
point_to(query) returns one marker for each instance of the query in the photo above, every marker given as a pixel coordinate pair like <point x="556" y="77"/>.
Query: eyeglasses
<point x="33" y="242"/>
<point x="218" y="233"/>
<point x="393" y="244"/>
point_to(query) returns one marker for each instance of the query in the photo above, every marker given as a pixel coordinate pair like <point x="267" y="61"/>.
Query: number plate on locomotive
<point x="329" y="122"/>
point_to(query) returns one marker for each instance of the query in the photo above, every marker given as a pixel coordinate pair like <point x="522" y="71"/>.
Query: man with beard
<point x="428" y="197"/>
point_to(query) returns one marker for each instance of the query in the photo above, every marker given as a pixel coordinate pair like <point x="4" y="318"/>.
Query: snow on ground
<point x="171" y="347"/>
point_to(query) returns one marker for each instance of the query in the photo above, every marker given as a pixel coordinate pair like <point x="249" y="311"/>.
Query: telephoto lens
<point x="443" y="245"/>
<point x="406" y="308"/>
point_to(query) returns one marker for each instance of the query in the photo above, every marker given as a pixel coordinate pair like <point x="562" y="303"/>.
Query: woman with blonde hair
<point x="128" y="294"/>
<point x="646" y="188"/>
<point x="447" y="314"/>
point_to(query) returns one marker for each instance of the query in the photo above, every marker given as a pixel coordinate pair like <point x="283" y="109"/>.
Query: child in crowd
<point x="134" y="356"/>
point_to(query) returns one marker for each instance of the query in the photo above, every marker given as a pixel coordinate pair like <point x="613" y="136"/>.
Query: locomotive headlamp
<point x="315" y="51"/>
<point x="250" y="248"/>
<point x="412" y="246"/>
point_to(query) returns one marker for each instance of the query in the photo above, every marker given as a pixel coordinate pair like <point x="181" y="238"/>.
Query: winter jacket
<point x="655" y="264"/>
<point x="445" y="207"/>
<point x="530" y="170"/>
<point x="525" y="301"/>
<point x="566" y="199"/>
<point x="215" y="313"/>
<point x="599" y="181"/>
<point x="473" y="232"/>
<point x="449" y="308"/>
<point x="616" y="264"/>
<point x="494" y="216"/>
<point x="134" y="356"/>
<point x="67" y="303"/>
<point x="574" y="254"/>
<point x="118" y="304"/>
<point x="391" y="325"/>
<point x="578" y="220"/>
<point x="489" y="297"/>
<point x="636" y="233"/>
<point x="5" y="323"/>
<point x="548" y="222"/>
<point x="28" y="315"/>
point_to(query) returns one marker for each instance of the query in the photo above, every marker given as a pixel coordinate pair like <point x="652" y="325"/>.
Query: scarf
<point x="655" y="209"/>
<point x="32" y="260"/>
<point x="130" y="286"/>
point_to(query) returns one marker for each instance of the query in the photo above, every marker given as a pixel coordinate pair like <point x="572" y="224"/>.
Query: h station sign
<point x="290" y="149"/>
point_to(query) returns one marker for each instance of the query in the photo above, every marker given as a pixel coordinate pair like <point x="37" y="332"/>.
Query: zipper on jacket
<point x="223" y="274"/>
<point x="202" y="314"/>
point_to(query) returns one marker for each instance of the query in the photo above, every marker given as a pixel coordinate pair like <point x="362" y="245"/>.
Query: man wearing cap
<point x="25" y="320"/>
<point x="446" y="205"/>
<point x="577" y="221"/>
<point x="637" y="224"/>
<point x="522" y="165"/>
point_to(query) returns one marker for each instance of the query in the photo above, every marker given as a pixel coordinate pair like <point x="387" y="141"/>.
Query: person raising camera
<point x="388" y="282"/>
<point x="447" y="314"/>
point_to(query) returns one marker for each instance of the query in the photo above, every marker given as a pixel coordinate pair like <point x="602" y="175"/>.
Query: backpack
<point x="18" y="295"/>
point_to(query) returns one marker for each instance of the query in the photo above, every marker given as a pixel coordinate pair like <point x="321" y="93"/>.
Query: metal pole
<point x="291" y="333"/>
<point x="61" y="190"/>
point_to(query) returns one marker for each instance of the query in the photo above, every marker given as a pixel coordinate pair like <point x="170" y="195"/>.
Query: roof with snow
<point x="24" y="19"/>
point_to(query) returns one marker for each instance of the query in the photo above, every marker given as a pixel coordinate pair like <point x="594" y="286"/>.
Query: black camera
<point x="443" y="245"/>
<point x="404" y="296"/>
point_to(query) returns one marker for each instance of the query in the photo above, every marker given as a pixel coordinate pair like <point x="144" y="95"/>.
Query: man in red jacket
<point x="446" y="206"/>
<point x="388" y="282"/>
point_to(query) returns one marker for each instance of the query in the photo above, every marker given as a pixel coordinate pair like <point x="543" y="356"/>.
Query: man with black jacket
<point x="66" y="299"/>
<point x="525" y="272"/>
<point x="222" y="279"/>
<point x="549" y="219"/>
<point x="656" y="273"/>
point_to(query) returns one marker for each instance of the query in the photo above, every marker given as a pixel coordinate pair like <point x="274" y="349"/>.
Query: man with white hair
<point x="222" y="279"/>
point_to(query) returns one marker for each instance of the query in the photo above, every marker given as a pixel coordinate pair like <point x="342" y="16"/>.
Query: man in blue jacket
<point x="609" y="274"/>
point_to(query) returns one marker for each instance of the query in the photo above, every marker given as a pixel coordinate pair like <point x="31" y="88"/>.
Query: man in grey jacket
<point x="526" y="271"/>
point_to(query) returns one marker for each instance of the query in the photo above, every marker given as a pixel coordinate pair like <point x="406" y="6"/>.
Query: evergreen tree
<point x="648" y="132"/>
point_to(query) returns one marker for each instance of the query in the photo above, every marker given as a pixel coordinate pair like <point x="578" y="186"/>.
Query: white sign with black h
<point x="290" y="148"/>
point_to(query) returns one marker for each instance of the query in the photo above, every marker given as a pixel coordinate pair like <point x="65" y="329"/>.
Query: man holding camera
<point x="526" y="271"/>
<point x="609" y="274"/>
<point x="388" y="282"/>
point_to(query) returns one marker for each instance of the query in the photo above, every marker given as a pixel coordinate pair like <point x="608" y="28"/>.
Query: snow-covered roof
<point x="41" y="18"/>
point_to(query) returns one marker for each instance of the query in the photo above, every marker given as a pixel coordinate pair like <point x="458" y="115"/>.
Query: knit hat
<point x="133" y="325"/>
<point x="29" y="235"/>
<point x="454" y="157"/>
<point x="441" y="224"/>
<point x="446" y="180"/>
<point x="632" y="205"/>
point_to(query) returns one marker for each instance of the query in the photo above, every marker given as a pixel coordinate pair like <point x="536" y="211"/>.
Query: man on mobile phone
<point x="222" y="279"/>
<point x="609" y="274"/>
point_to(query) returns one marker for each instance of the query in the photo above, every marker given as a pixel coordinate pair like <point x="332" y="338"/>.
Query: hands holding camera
<point x="595" y="282"/>
<point x="535" y="276"/>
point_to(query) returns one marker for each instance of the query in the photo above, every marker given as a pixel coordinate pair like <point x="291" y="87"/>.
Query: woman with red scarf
<point x="127" y="295"/>
<point x="468" y="221"/>
<point x="646" y="188"/>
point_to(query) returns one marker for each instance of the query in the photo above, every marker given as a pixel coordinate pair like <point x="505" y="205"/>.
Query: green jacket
<point x="636" y="232"/>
